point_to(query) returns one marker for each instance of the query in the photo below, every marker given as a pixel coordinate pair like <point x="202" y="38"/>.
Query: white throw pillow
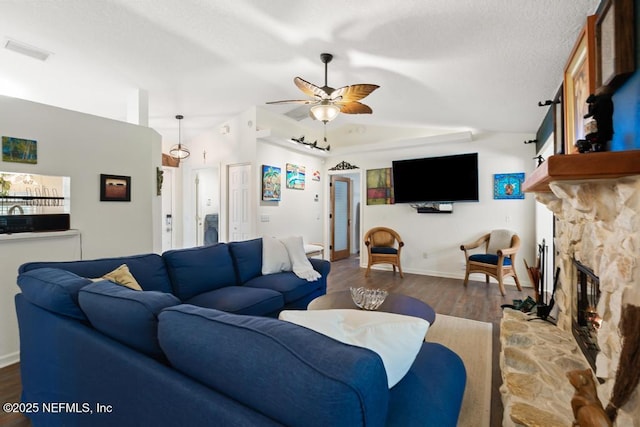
<point x="275" y="257"/>
<point x="395" y="337"/>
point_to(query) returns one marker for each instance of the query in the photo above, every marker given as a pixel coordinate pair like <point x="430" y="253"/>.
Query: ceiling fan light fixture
<point x="179" y="151"/>
<point x="325" y="111"/>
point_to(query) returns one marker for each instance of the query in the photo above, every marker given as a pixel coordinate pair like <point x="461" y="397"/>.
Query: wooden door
<point x="340" y="218"/>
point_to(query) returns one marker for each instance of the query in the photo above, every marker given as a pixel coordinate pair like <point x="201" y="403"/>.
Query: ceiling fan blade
<point x="294" y="101"/>
<point x="354" y="107"/>
<point x="310" y="89"/>
<point x="353" y="92"/>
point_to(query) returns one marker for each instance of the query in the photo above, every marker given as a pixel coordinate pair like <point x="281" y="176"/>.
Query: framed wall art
<point x="615" y="55"/>
<point x="379" y="187"/>
<point x="508" y="185"/>
<point x="271" y="183"/>
<point x="19" y="150"/>
<point x="115" y="188"/>
<point x="579" y="83"/>
<point x="295" y="176"/>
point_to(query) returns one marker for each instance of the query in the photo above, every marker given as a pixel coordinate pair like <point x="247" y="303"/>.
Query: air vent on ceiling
<point x="25" y="49"/>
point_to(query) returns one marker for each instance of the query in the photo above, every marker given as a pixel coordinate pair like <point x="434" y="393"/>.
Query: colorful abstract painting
<point x="508" y="186"/>
<point x="271" y="183"/>
<point x="19" y="150"/>
<point x="295" y="176"/>
<point x="379" y="187"/>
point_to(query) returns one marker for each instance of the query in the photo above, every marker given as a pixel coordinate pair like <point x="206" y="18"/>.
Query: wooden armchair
<point x="498" y="259"/>
<point x="383" y="246"/>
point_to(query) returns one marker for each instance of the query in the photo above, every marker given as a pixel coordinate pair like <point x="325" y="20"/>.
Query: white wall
<point x="439" y="236"/>
<point x="299" y="212"/>
<point x="82" y="147"/>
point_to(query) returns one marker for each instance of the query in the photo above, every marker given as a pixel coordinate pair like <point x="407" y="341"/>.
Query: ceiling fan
<point x="327" y="102"/>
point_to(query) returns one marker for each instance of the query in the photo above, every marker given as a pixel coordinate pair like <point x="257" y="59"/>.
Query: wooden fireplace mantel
<point x="571" y="167"/>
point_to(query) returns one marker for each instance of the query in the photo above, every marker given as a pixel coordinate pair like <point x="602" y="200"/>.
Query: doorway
<point x="206" y="205"/>
<point x="349" y="229"/>
<point x="340" y="218"/>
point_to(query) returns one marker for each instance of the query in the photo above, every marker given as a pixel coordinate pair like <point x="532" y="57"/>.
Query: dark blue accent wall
<point x="626" y="104"/>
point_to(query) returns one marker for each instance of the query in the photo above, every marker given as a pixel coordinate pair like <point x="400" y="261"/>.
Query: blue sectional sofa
<point x="193" y="349"/>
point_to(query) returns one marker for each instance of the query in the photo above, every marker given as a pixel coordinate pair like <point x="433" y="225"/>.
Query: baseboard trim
<point x="9" y="359"/>
<point x="474" y="276"/>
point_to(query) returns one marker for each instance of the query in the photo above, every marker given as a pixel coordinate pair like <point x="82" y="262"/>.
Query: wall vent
<point x="25" y="49"/>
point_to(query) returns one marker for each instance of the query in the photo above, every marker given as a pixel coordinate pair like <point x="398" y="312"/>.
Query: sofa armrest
<point x="321" y="266"/>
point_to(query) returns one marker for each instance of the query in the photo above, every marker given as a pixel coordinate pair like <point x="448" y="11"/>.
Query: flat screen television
<point x="436" y="179"/>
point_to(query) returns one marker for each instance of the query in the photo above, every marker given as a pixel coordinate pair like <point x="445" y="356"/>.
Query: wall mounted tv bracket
<point x="433" y="207"/>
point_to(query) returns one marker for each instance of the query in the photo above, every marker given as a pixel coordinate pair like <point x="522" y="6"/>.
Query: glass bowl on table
<point x="368" y="299"/>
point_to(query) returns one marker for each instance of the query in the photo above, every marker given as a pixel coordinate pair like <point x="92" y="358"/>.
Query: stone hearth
<point x="534" y="359"/>
<point x="598" y="224"/>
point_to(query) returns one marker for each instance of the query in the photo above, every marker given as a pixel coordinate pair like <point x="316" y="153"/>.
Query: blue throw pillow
<point x="126" y="315"/>
<point x="53" y="289"/>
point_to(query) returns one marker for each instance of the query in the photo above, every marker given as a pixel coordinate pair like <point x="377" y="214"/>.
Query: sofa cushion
<point x="286" y="372"/>
<point x="197" y="270"/>
<point x="247" y="259"/>
<point x="431" y="392"/>
<point x="395" y="337"/>
<point x="148" y="269"/>
<point x="288" y="284"/>
<point x="53" y="289"/>
<point x="240" y="300"/>
<point x="126" y="315"/>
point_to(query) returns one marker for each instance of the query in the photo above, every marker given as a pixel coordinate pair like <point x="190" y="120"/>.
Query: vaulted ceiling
<point x="440" y="64"/>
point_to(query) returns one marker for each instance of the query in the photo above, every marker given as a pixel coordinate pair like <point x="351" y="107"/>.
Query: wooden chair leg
<point x="466" y="277"/>
<point x="500" y="278"/>
<point x="366" y="274"/>
<point x="501" y="285"/>
<point x="515" y="277"/>
<point x="400" y="270"/>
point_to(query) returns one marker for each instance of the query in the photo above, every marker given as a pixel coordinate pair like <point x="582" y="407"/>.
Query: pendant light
<point x="179" y="151"/>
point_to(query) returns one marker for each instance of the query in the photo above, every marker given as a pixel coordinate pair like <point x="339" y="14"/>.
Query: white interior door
<point x="239" y="188"/>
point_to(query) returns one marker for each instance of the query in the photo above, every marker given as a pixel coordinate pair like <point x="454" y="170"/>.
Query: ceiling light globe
<point x="325" y="112"/>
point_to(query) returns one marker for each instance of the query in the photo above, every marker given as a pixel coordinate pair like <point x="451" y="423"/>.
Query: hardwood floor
<point x="478" y="301"/>
<point x="10" y="392"/>
<point x="447" y="296"/>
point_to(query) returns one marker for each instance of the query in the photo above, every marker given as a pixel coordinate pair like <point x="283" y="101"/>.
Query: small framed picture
<point x="508" y="185"/>
<point x="115" y="188"/>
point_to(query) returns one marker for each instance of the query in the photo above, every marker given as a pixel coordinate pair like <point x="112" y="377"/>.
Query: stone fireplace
<point x="595" y="198"/>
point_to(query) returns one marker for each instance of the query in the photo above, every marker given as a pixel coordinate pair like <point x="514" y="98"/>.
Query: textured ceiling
<point x="450" y="64"/>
